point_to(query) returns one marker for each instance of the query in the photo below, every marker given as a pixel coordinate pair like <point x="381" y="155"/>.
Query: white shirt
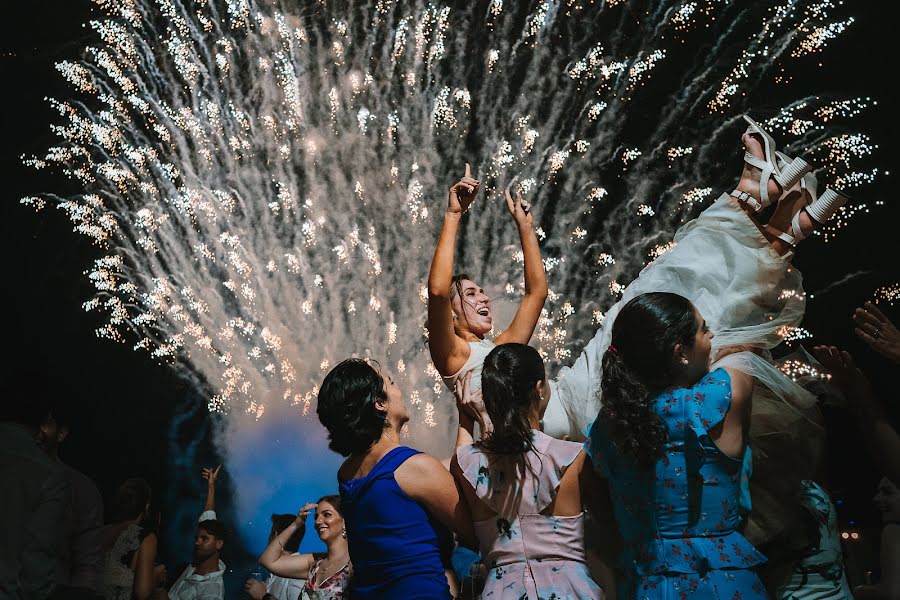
<point x="191" y="586"/>
<point x="284" y="588"/>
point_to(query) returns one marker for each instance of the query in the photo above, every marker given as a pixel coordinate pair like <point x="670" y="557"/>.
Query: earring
<point x="344" y="534"/>
<point x="684" y="361"/>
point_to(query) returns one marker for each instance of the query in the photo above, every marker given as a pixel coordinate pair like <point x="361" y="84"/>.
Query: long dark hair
<point x="335" y="501"/>
<point x="507" y="385"/>
<point x="641" y="361"/>
<point x="346" y="406"/>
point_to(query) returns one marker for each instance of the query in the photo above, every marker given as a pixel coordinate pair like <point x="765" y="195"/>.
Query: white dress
<point x="116" y="576"/>
<point x="475" y="363"/>
<point x="749" y="296"/>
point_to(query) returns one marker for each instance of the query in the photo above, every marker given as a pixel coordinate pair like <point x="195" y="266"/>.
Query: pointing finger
<point x="468" y="170"/>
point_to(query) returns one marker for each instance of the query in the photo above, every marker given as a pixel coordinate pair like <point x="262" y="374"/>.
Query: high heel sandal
<point x="785" y="176"/>
<point x="819" y="210"/>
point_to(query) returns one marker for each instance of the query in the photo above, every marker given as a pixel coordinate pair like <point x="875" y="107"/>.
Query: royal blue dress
<point x="679" y="521"/>
<point x="397" y="549"/>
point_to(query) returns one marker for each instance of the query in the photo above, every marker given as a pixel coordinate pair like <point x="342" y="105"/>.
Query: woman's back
<point x="395" y="545"/>
<point x="531" y="552"/>
<point x="680" y="517"/>
<point x="122" y="542"/>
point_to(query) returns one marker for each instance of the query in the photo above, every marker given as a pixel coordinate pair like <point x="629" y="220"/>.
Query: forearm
<point x="441" y="273"/>
<point x="880" y="437"/>
<point x="535" y="277"/>
<point x="210" y="498"/>
<point x="465" y="432"/>
<point x="273" y="551"/>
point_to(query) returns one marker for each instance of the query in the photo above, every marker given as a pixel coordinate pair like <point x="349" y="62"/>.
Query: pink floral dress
<point x="530" y="555"/>
<point x="332" y="588"/>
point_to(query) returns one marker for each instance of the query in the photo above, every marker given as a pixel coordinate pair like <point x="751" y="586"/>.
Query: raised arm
<point x="210" y="505"/>
<point x="427" y="481"/>
<point x="880" y="437"/>
<point x="445" y="346"/>
<point x="532" y="304"/>
<point x="470" y="406"/>
<point x="294" y="566"/>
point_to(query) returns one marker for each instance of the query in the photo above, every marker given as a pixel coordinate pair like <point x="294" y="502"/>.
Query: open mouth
<point x="484" y="312"/>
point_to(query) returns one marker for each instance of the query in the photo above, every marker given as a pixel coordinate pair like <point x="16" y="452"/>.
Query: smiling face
<point x="471" y="309"/>
<point x="887" y="499"/>
<point x="329" y="522"/>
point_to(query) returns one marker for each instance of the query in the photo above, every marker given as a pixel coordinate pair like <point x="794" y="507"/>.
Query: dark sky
<point x="125" y="401"/>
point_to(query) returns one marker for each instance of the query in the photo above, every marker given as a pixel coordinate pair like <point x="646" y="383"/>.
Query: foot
<point x="749" y="181"/>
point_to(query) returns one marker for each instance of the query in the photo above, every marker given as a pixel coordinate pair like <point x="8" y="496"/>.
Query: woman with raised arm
<point x="400" y="505"/>
<point x="327" y="575"/>
<point x="459" y="312"/>
<point x="526" y="490"/>
<point x="671" y="439"/>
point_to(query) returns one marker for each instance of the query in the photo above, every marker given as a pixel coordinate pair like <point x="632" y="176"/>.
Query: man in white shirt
<point x="203" y="578"/>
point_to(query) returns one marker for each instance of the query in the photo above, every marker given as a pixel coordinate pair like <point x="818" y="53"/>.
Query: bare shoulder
<point x="741" y="385"/>
<point x="422" y="464"/>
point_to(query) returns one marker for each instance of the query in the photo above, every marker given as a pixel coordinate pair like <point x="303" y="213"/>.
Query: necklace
<point x="322" y="574"/>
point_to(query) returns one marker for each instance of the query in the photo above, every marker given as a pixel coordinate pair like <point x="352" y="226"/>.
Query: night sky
<point x="125" y="401"/>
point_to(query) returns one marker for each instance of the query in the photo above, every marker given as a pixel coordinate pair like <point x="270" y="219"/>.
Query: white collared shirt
<point x="191" y="586"/>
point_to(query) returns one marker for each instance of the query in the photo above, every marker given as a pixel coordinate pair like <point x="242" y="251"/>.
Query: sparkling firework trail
<point x="266" y="182"/>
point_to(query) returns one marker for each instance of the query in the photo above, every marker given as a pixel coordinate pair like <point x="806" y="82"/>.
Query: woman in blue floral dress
<point x="671" y="438"/>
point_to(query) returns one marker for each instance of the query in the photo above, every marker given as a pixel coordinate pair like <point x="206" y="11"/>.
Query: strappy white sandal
<point x="786" y="177"/>
<point x="820" y="211"/>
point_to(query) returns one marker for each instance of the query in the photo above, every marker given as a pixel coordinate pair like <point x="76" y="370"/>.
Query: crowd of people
<point x="671" y="460"/>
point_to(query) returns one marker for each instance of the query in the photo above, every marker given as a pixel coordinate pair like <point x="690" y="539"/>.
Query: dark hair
<point x="282" y="522"/>
<point x="640" y="361"/>
<point x="335" y="501"/>
<point x="130" y="500"/>
<point x="346" y="406"/>
<point x="456" y="283"/>
<point x="36" y="410"/>
<point x="62" y="411"/>
<point x="213" y="527"/>
<point x="507" y="385"/>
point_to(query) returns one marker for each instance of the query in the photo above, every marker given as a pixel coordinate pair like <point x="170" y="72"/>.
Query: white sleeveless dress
<point x="478" y="352"/>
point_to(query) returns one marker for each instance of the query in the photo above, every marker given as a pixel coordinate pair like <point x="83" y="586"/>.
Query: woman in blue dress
<point x="399" y="504"/>
<point x="671" y="438"/>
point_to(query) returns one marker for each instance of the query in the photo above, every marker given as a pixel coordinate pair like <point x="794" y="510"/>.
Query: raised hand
<point x="519" y="209"/>
<point x="304" y="512"/>
<point x="463" y="193"/>
<point x="210" y="475"/>
<point x="877" y="331"/>
<point x="470" y="402"/>
<point x="845" y="375"/>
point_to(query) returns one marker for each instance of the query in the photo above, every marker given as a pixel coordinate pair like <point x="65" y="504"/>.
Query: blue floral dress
<point x="679" y="521"/>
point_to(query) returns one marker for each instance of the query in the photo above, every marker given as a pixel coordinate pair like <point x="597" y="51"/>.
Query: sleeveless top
<point x="333" y="588"/>
<point x="478" y="351"/>
<point x="682" y="516"/>
<point x="529" y="554"/>
<point x="116" y="576"/>
<point x="395" y="545"/>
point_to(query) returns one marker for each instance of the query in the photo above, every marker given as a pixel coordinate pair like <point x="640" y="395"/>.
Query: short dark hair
<point x="346" y="406"/>
<point x="282" y="522"/>
<point x="32" y="411"/>
<point x="214" y="527"/>
<point x="130" y="500"/>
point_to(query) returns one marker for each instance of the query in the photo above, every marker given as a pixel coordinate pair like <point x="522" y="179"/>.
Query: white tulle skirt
<point x="751" y="298"/>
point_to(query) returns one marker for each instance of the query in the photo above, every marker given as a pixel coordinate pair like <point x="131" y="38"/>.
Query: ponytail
<point x="510" y="374"/>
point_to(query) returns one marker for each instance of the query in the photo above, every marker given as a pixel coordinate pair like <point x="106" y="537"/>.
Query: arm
<point x="529" y="312"/>
<point x="470" y="406"/>
<point x="294" y="566"/>
<point x="443" y="343"/>
<point x="425" y="480"/>
<point x="144" y="576"/>
<point x="210" y="505"/>
<point x="875" y="329"/>
<point x="603" y="557"/>
<point x="88" y="545"/>
<point x="880" y="437"/>
<point x="729" y="434"/>
<point x="44" y="537"/>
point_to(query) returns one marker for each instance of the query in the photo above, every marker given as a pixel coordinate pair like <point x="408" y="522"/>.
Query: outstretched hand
<point x="519" y="209"/>
<point x="463" y="192"/>
<point x="845" y="375"/>
<point x="210" y="475"/>
<point x="877" y="331"/>
<point x="470" y="403"/>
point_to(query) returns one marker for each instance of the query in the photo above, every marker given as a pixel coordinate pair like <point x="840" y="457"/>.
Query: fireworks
<point x="265" y="184"/>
